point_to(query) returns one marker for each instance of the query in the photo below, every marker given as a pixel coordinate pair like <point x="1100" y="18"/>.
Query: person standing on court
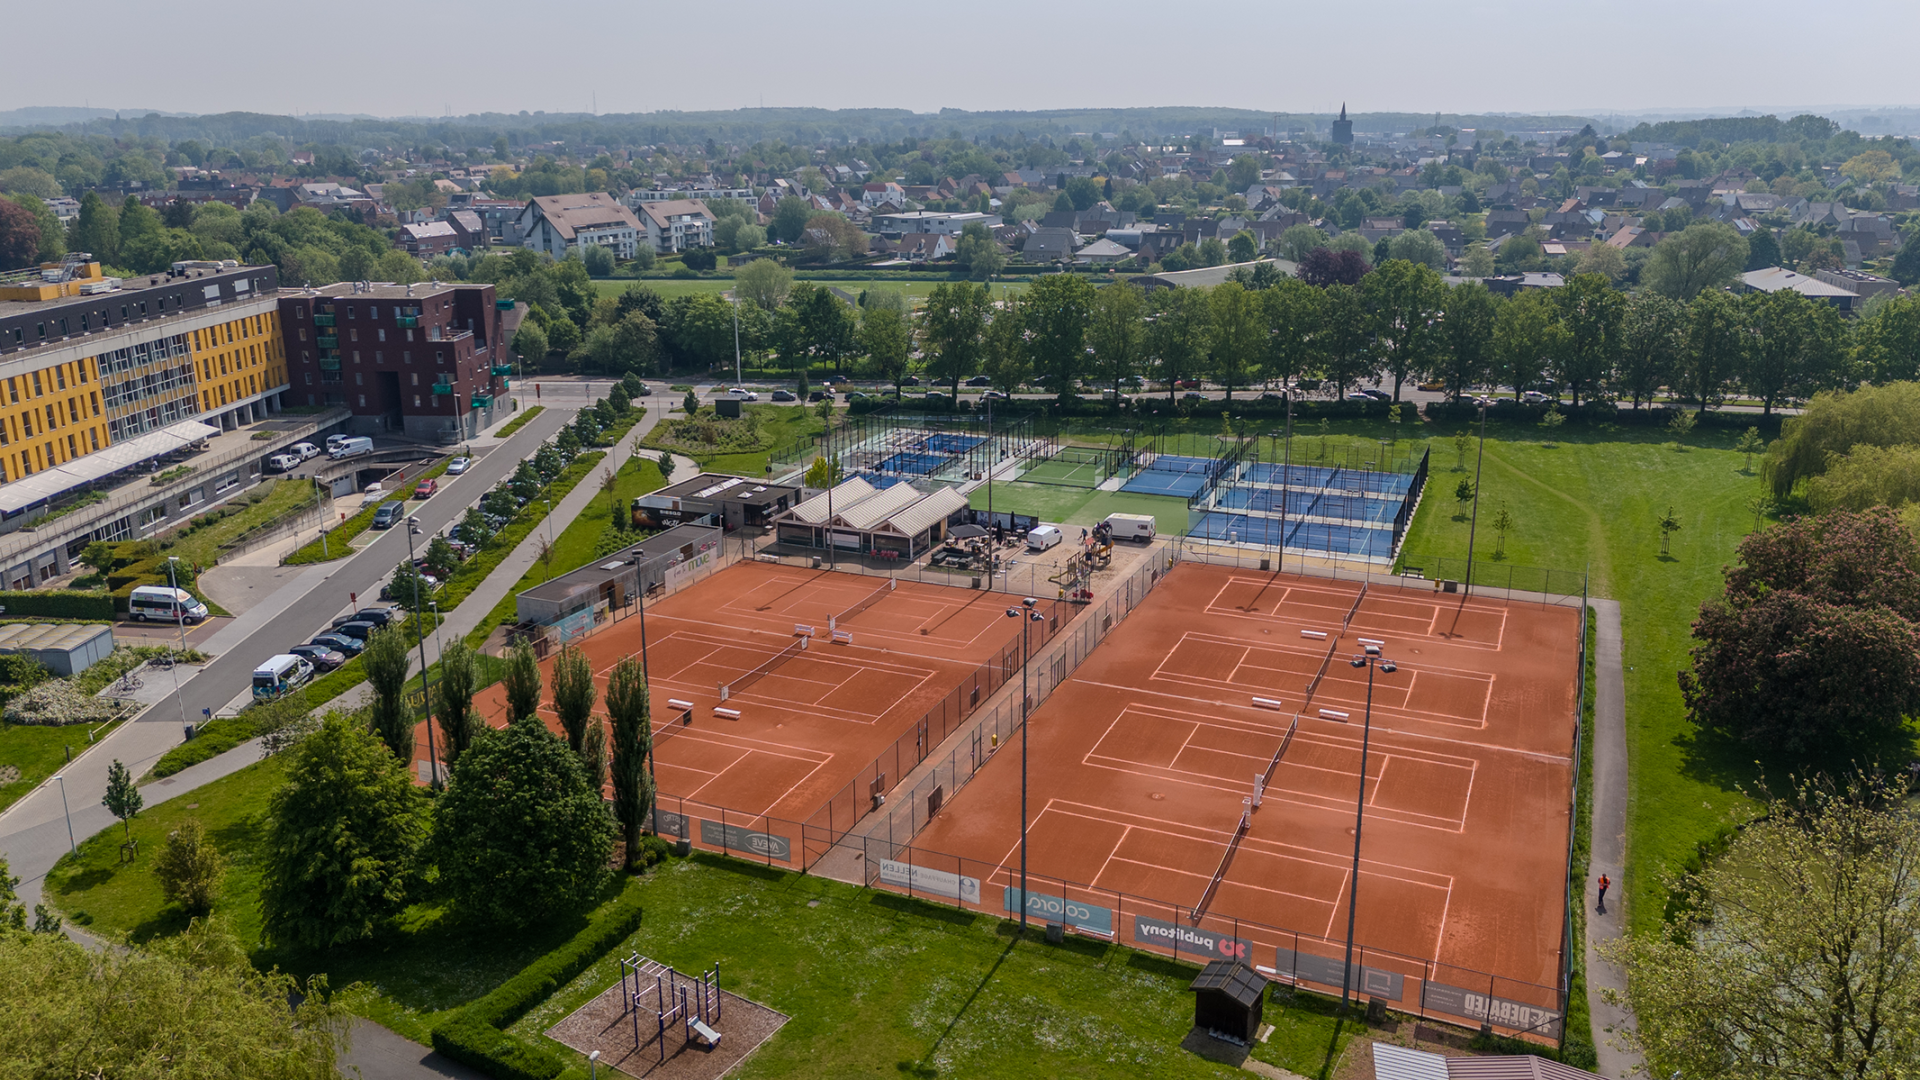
<point x="1605" y="882"/>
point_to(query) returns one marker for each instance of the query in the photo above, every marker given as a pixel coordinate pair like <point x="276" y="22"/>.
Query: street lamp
<point x="433" y="756"/>
<point x="1474" y="525"/>
<point x="180" y="617"/>
<point x="72" y="848"/>
<point x="1370" y="659"/>
<point x="1032" y="616"/>
<point x="593" y="1063"/>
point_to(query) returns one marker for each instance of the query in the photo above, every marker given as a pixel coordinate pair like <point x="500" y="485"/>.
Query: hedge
<point x="1144" y="405"/>
<point x="1602" y="412"/>
<point x="210" y="740"/>
<point x="473" y="1037"/>
<point x="520" y="421"/>
<point x="58" y="604"/>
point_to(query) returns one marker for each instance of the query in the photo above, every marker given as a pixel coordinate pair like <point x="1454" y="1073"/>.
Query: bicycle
<point x="129" y="682"/>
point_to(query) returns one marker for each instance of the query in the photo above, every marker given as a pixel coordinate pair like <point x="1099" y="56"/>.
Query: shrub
<point x="58" y="604"/>
<point x="653" y="851"/>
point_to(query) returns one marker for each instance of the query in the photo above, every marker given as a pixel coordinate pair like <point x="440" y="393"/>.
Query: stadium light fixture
<point x="1030" y="610"/>
<point x="1371" y="660"/>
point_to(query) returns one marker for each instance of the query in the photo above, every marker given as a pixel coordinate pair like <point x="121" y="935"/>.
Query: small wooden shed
<point x="1227" y="998"/>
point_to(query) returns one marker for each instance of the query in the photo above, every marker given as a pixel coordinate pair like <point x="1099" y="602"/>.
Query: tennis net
<point x="868" y="601"/>
<point x="740" y="684"/>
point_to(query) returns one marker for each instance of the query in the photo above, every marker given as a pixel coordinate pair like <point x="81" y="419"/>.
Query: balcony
<point x="502" y="304"/>
<point x="445" y="386"/>
<point x="323" y="320"/>
<point x="408" y="320"/>
<point x="327" y="341"/>
<point x="329" y="363"/>
<point x="503" y="369"/>
<point x="482" y="401"/>
<point x="506" y="384"/>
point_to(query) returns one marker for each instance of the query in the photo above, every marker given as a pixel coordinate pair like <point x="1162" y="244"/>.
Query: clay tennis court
<point x="807" y="728"/>
<point x="1140" y="763"/>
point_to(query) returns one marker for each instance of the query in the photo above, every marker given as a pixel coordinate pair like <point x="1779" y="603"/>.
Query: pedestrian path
<point x="1609" y="840"/>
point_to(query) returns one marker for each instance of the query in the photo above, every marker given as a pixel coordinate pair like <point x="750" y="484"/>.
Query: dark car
<point x="389" y="515"/>
<point x="820" y="395"/>
<point x="322" y="658"/>
<point x="358" y="629"/>
<point x="835" y="380"/>
<point x="979" y="380"/>
<point x="784" y="395"/>
<point x="378" y="616"/>
<point x="910" y="380"/>
<point x="340" y="643"/>
<point x="643" y="391"/>
<point x="1378" y="395"/>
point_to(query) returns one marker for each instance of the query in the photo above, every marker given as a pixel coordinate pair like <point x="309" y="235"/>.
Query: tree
<point x="191" y="1005"/>
<point x="1750" y="444"/>
<point x="519" y="834"/>
<point x="1681" y="425"/>
<point x="666" y="465"/>
<point x="123" y="799"/>
<point x="96" y="230"/>
<point x="53" y="234"/>
<point x="1291" y="310"/>
<point x="530" y="342"/>
<point x="1502" y="524"/>
<point x="593" y="754"/>
<point x="1325" y="267"/>
<point x="1652" y="333"/>
<point x="1298" y="241"/>
<point x="1887" y="341"/>
<point x="598" y="260"/>
<point x="1762" y="250"/>
<point x="453" y="701"/>
<point x="1795" y="344"/>
<point x="13" y="914"/>
<point x="1239" y="336"/>
<point x="644" y="256"/>
<point x="522" y="683"/>
<point x="341" y="838"/>
<point x="188" y="869"/>
<point x="1211" y="252"/>
<point x="1590" y="310"/>
<point x="1463" y="492"/>
<point x="19" y="235"/>
<point x="953" y="322"/>
<point x="764" y="282"/>
<point x="1697" y="259"/>
<point x="1551" y="421"/>
<point x="1346" y="342"/>
<point x="1527" y="335"/>
<point x="789" y="219"/>
<point x="1668" y="526"/>
<point x="814" y="327"/>
<point x="1463" y="356"/>
<point x="1404" y="302"/>
<point x="628" y="706"/>
<point x="887" y="341"/>
<point x="1418" y="246"/>
<point x="1005" y="359"/>
<point x="978" y="253"/>
<point x="1478" y="261"/>
<point x="1716" y="347"/>
<point x="1603" y="259"/>
<point x="1180" y="335"/>
<point x="1083" y="192"/>
<point x="1797" y="951"/>
<point x="1117" y="332"/>
<point x="1837" y="425"/>
<point x="385" y="662"/>
<point x="573" y="694"/>
<point x="1244" y="247"/>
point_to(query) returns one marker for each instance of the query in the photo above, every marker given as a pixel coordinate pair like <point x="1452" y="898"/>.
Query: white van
<point x="351" y="448"/>
<point x="280" y="674"/>
<point x="1042" y="537"/>
<point x="283" y="462"/>
<point x="305" y="450"/>
<point x="164" y="603"/>
<point x="1131" y="526"/>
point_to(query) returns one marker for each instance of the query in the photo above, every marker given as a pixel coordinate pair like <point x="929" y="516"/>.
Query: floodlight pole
<point x="433" y="755"/>
<point x="1369" y="659"/>
<point x="1474" y="525"/>
<point x="1027" y="616"/>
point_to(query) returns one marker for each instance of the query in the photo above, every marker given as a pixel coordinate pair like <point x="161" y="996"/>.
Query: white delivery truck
<point x="280" y="674"/>
<point x="163" y="603"/>
<point x="1042" y="537"/>
<point x="356" y="447"/>
<point x="1131" y="526"/>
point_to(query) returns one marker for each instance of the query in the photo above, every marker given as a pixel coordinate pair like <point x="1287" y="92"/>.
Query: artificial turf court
<point x="1140" y="763"/>
<point x="809" y="730"/>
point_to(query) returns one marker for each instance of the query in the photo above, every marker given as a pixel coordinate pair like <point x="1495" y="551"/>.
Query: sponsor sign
<point x="1478" y="1007"/>
<point x="735" y="838"/>
<point x="1191" y="939"/>
<point x="668" y="823"/>
<point x="921" y="879"/>
<point x="1075" y="913"/>
<point x="1328" y="971"/>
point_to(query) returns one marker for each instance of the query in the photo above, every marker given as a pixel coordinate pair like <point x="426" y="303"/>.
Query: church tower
<point x="1343" y="128"/>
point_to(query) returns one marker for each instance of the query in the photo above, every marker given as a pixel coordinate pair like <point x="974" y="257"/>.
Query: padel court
<point x="774" y="689"/>
<point x="1143" y="765"/>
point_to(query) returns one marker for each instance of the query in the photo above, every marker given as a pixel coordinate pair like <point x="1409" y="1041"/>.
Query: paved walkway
<point x="1609" y="839"/>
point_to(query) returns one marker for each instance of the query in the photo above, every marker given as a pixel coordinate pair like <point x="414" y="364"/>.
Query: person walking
<point x="1605" y="883"/>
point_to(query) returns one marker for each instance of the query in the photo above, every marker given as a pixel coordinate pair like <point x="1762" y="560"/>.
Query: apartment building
<point x="419" y="360"/>
<point x="101" y="379"/>
<point x="557" y="224"/>
<point x="677" y="225"/>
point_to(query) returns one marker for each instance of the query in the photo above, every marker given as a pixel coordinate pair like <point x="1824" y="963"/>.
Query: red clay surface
<point x="810" y="727"/>
<point x="1140" y="764"/>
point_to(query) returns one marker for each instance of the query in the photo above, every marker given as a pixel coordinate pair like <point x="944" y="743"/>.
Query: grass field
<point x="1592" y="503"/>
<point x="877" y="985"/>
<point x="1083" y="506"/>
<point x="280" y="498"/>
<point x="36" y="752"/>
<point x="781" y="425"/>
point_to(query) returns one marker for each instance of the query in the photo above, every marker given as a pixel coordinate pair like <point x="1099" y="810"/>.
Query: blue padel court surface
<point x="880" y="481"/>
<point x="1390" y="484"/>
<point x="1352" y="540"/>
<point x="1326" y="504"/>
<point x="1159" y="482"/>
<point x="945" y="443"/>
<point x="917" y="464"/>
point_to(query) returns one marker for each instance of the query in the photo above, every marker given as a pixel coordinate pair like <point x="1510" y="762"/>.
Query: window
<point x="373" y="312"/>
<point x="416" y="378"/>
<point x="93" y="436"/>
<point x="309" y="378"/>
<point x="96" y="403"/>
<point x="358" y="380"/>
<point x="383" y="334"/>
<point x="303" y="333"/>
<point x="416" y="401"/>
<point x="363" y="401"/>
<point x="60" y="376"/>
<point x="36" y="385"/>
<point x="73" y="447"/>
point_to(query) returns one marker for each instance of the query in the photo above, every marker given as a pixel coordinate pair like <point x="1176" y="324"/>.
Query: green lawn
<point x="37" y="752"/>
<point x="781" y="425"/>
<point x="279" y="499"/>
<point x="1083" y="506"/>
<point x="1592" y="503"/>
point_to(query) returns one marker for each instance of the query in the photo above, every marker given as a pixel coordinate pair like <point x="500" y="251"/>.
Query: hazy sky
<point x="426" y="57"/>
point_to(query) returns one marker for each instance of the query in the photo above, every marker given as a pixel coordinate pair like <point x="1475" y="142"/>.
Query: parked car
<point x="1193" y="395"/>
<point x="340" y="643"/>
<point x="835" y="380"/>
<point x="306" y="450"/>
<point x="993" y="395"/>
<point x="910" y="380"/>
<point x="741" y="393"/>
<point x="458" y="465"/>
<point x="1535" y="397"/>
<point x="857" y="395"/>
<point x="425" y="488"/>
<point x="1378" y="395"/>
<point x="820" y="395"/>
<point x="284" y="462"/>
<point x="389" y="515"/>
<point x="785" y="395"/>
<point x="643" y="391"/>
<point x="357" y="629"/>
<point x="978" y="380"/>
<point x="1432" y="385"/>
<point x="321" y="657"/>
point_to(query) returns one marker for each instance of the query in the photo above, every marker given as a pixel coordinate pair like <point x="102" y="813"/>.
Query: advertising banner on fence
<point x="1077" y="914"/>
<point x="1190" y="939"/>
<point x="735" y="838"/>
<point x="1328" y="970"/>
<point x="1477" y="1007"/>
<point x="668" y="823"/>
<point x="921" y="879"/>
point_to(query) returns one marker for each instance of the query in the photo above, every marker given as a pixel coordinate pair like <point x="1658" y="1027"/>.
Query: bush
<point x="58" y="604"/>
<point x="518" y="422"/>
<point x="653" y="851"/>
<point x="210" y="740"/>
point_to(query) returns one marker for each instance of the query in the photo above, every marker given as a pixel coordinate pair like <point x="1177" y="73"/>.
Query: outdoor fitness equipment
<point x="692" y="1001"/>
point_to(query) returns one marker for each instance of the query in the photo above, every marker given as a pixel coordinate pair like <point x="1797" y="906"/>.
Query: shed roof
<point x="842" y="497"/>
<point x="920" y="516"/>
<point x="1233" y="978"/>
<point x="27" y="637"/>
<point x="870" y="513"/>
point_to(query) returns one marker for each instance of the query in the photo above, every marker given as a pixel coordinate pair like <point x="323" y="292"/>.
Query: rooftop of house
<point x="590" y="210"/>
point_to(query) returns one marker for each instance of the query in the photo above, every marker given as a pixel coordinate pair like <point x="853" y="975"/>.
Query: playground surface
<point x="1144" y="763"/>
<point x="795" y="731"/>
<point x="628" y="1034"/>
